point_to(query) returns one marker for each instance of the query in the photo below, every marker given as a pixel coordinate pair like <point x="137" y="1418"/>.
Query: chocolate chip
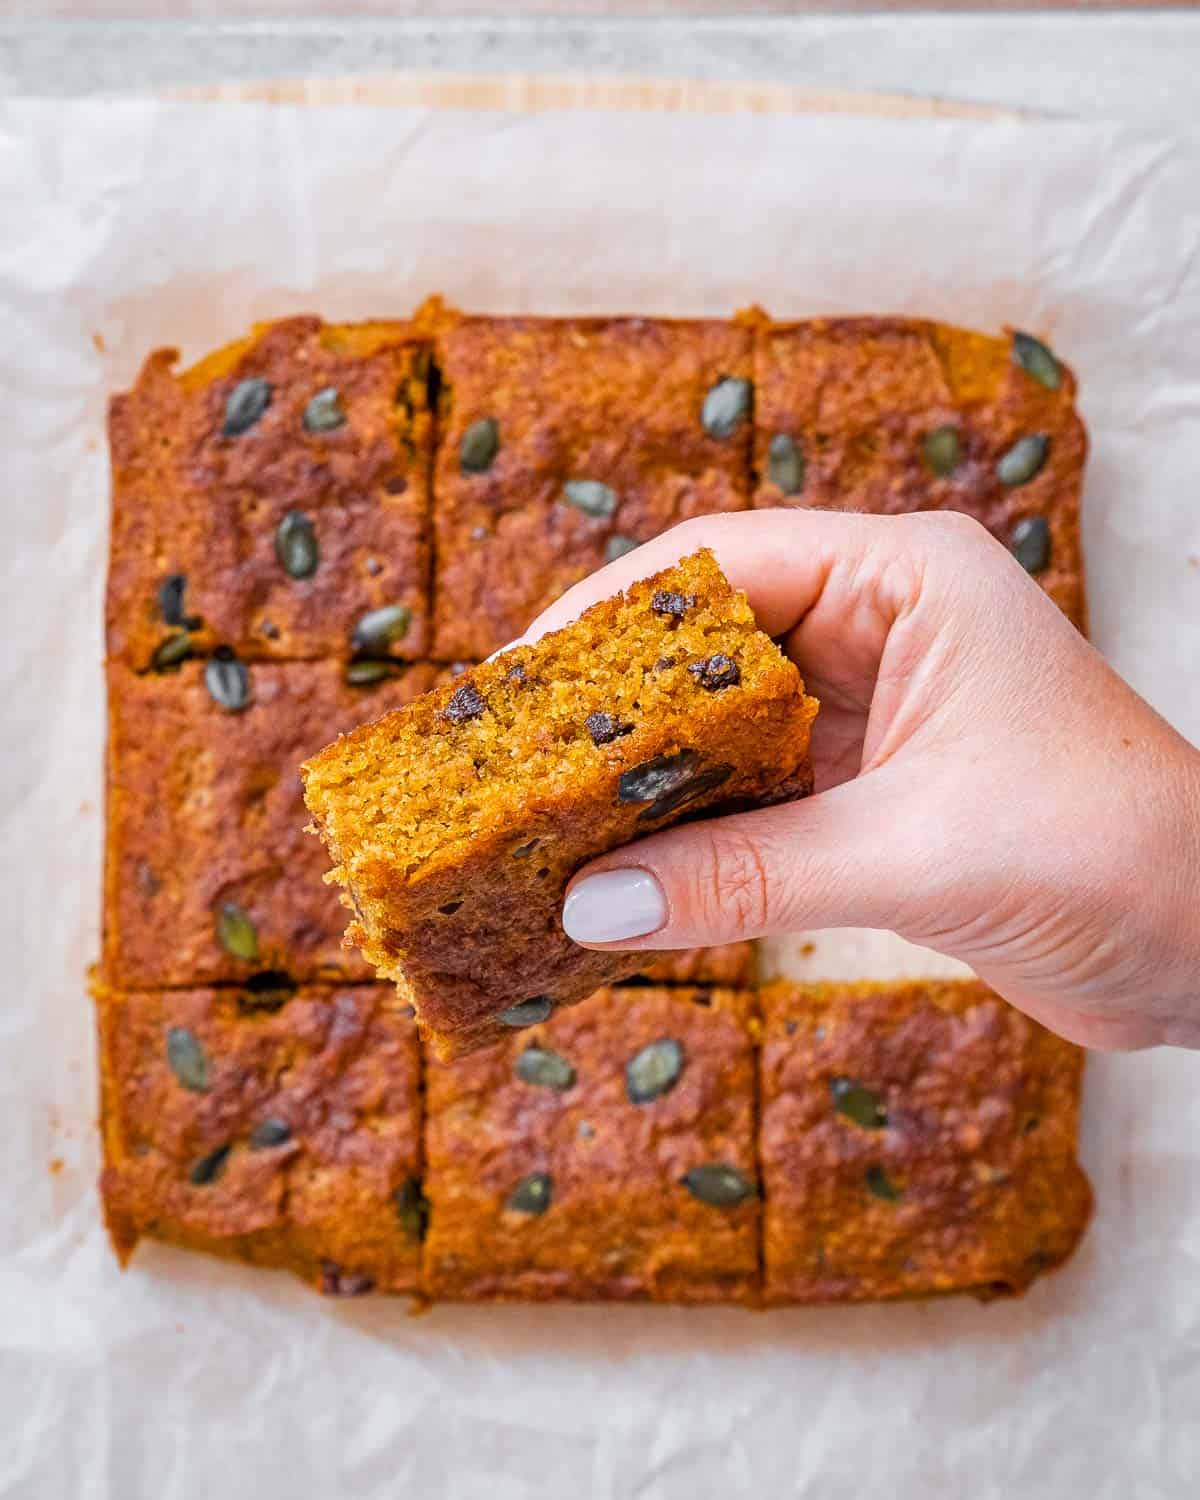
<point x="716" y="672"/>
<point x="338" y="1283"/>
<point x="515" y="674"/>
<point x="604" y="728"/>
<point x="466" y="703"/>
<point x="673" y="606"/>
<point x="247" y="402"/>
<point x="668" y="782"/>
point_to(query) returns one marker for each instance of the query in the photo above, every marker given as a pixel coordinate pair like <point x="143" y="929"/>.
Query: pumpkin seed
<point x="668" y="781"/>
<point x="1037" y="360"/>
<point x="296" y="545"/>
<point x="187" y="1059"/>
<point x="412" y="1209"/>
<point x="364" y="673"/>
<point x="654" y="1071"/>
<point x="247" y="402"/>
<point x="480" y="444"/>
<point x="176" y="648"/>
<point x="324" y="412"/>
<point x="618" y="546"/>
<point x="942" y="451"/>
<point x="532" y="1195"/>
<point x="1023" y="460"/>
<point x="170" y="598"/>
<point x="236" y="933"/>
<point x="726" y="406"/>
<point x="545" y="1070"/>
<point x="857" y="1103"/>
<point x="528" y="1012"/>
<point x="227" y="680"/>
<point x="591" y="497"/>
<point x="786" y="464"/>
<point x="720" y="1185"/>
<point x="882" y="1186"/>
<point x="270" y="1132"/>
<point x="209" y="1167"/>
<point x="1030" y="543"/>
<point x="381" y="628"/>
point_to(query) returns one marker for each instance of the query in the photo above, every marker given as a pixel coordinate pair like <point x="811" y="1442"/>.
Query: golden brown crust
<point x="859" y="397"/>
<point x="621" y="1223"/>
<point x="205" y="811"/>
<point x="728" y="964"/>
<point x="970" y="1183"/>
<point x="191" y="502"/>
<point x="280" y="1136"/>
<point x="615" y="400"/>
<point x="457" y="832"/>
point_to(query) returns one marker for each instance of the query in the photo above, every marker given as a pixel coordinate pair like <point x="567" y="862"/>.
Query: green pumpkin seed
<point x="209" y="1167"/>
<point x="296" y="545"/>
<point x="882" y="1186"/>
<point x="480" y="444"/>
<point x="187" y="1059"/>
<point x="532" y="1195"/>
<point x="545" y="1070"/>
<point x="591" y="497"/>
<point x="786" y="464"/>
<point x="857" y="1103"/>
<point x="381" y="628"/>
<point x="1023" y="460"/>
<point x="236" y="933"/>
<point x="654" y="1071"/>
<point x="176" y="648"/>
<point x="270" y="1132"/>
<point x="619" y="546"/>
<point x="412" y="1209"/>
<point x="528" y="1012"/>
<point x="720" y="1185"/>
<point x="1030" y="543"/>
<point x="726" y="406"/>
<point x="364" y="673"/>
<point x="324" y="412"/>
<point x="942" y="451"/>
<point x="247" y="402"/>
<point x="1036" y="360"/>
<point x="227" y="681"/>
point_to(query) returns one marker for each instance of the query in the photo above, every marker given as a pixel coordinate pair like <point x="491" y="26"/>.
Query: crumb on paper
<point x="807" y="950"/>
<point x="56" y="1165"/>
<point x="98" y="342"/>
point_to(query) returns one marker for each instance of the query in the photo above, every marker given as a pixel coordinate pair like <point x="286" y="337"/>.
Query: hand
<point x="986" y="785"/>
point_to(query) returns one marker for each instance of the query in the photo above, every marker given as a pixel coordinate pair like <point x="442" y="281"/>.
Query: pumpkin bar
<point x="915" y="1138"/>
<point x="607" y="1154"/>
<point x="209" y="875"/>
<point x="456" y="823"/>
<point x="274" y="499"/>
<point x="887" y="415"/>
<point x="282" y="1129"/>
<point x="564" y="443"/>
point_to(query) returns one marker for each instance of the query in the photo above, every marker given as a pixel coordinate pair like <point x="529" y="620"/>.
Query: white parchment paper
<point x="124" y="226"/>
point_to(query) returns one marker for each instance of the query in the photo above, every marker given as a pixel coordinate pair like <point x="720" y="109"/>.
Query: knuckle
<point x="734" y="890"/>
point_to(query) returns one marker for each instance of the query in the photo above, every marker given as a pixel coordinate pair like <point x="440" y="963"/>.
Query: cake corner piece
<point x="455" y="823"/>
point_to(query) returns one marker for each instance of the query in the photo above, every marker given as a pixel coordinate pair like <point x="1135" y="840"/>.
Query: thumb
<point x="859" y="855"/>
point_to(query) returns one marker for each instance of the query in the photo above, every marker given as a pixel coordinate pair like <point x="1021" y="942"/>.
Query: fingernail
<point x="614" y="905"/>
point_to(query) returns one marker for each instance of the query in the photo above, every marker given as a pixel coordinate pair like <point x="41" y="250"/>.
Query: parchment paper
<point x="124" y="226"/>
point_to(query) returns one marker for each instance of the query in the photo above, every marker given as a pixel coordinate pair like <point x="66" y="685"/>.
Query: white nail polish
<point x="614" y="905"/>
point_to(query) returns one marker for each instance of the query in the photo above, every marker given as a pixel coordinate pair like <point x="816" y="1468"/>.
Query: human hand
<point x="985" y="784"/>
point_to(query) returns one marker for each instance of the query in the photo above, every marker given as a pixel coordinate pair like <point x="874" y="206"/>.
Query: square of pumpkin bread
<point x="274" y="498"/>
<point x="281" y="1128"/>
<point x="606" y="1154"/>
<point x="209" y="875"/>
<point x="564" y="442"/>
<point x="916" y="1138"/>
<point x="887" y="415"/>
<point x="456" y="823"/>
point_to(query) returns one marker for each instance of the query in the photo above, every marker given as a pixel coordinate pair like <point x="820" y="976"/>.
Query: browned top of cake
<point x="916" y="1137"/>
<point x="608" y="1153"/>
<point x="274" y="498"/>
<point x="896" y="414"/>
<point x="283" y="1127"/>
<point x="209" y="874"/>
<point x="564" y="442"/>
